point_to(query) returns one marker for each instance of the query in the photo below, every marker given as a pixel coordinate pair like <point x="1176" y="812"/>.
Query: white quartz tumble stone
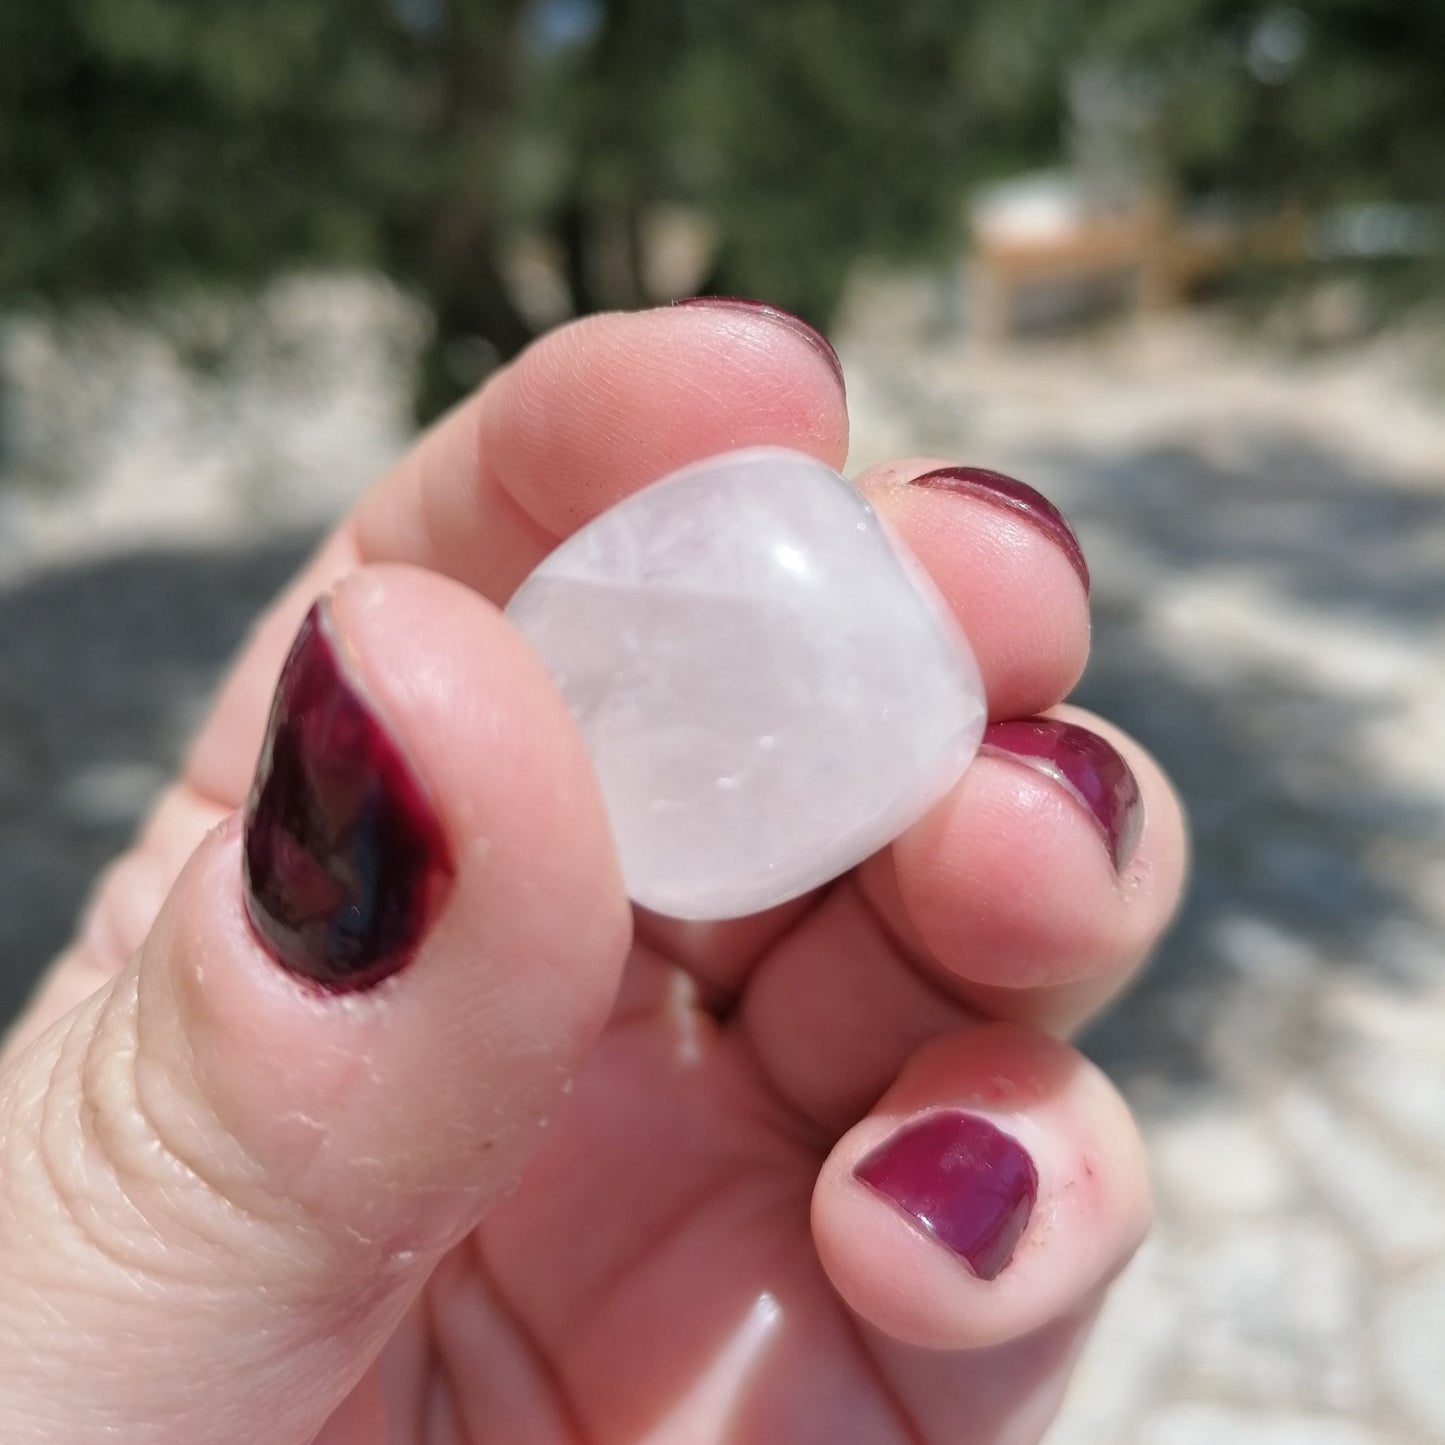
<point x="768" y="686"/>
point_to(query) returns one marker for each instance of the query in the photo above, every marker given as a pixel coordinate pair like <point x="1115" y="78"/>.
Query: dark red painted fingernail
<point x="345" y="859"/>
<point x="810" y="334"/>
<point x="1085" y="766"/>
<point x="1016" y="496"/>
<point x="970" y="1185"/>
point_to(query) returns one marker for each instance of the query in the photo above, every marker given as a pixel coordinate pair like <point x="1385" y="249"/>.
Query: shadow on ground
<point x="1294" y="820"/>
<point x="104" y="670"/>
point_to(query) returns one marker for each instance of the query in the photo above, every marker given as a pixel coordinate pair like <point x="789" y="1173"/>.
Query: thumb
<point x="224" y="1176"/>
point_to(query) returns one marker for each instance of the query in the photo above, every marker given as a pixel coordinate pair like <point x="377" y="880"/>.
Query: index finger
<point x="587" y="415"/>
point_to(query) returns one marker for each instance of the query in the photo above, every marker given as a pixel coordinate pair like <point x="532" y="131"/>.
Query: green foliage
<point x="147" y="145"/>
<point x="1321" y="101"/>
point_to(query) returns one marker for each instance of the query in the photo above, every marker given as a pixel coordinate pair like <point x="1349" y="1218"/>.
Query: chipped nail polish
<point x="1087" y="767"/>
<point x="345" y="860"/>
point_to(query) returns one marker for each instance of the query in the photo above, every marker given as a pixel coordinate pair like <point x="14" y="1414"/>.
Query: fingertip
<point x="594" y="410"/>
<point x="993" y="1190"/>
<point x="1058" y="860"/>
<point x="1012" y="574"/>
<point x="1164" y="854"/>
<point x="750" y="309"/>
<point x="1006" y="884"/>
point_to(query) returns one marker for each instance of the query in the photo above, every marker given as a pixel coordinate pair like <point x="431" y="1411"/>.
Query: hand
<point x="244" y="1199"/>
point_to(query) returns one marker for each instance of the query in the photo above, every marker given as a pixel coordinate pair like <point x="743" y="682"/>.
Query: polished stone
<point x="769" y="687"/>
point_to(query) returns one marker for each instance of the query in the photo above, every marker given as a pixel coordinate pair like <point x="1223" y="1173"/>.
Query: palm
<point x="655" y="1276"/>
<point x="656" y="1267"/>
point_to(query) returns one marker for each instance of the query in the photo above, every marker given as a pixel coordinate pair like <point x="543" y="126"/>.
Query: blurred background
<point x="1177" y="262"/>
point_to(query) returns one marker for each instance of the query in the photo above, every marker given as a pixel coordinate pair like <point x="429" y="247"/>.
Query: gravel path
<point x="1268" y="542"/>
<point x="1268" y="545"/>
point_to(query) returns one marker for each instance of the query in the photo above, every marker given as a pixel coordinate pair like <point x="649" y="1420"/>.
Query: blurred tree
<point x="1327" y="100"/>
<point x="146" y="146"/>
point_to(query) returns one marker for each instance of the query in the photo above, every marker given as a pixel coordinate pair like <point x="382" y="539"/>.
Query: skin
<point x="237" y="1210"/>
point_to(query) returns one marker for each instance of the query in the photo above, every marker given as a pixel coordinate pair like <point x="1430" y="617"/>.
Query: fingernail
<point x="1087" y="767"/>
<point x="1015" y="496"/>
<point x="345" y="859"/>
<point x="970" y="1185"/>
<point x="810" y="334"/>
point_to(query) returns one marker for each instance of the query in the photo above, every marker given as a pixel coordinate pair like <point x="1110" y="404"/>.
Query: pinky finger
<point x="992" y="1192"/>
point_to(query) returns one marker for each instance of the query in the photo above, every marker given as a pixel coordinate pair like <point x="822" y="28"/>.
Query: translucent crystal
<point x="769" y="687"/>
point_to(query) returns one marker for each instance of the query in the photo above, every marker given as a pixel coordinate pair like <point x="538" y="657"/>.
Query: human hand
<point x="236" y="1206"/>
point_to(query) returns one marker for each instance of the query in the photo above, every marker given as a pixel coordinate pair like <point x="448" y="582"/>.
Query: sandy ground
<point x="1268" y="541"/>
